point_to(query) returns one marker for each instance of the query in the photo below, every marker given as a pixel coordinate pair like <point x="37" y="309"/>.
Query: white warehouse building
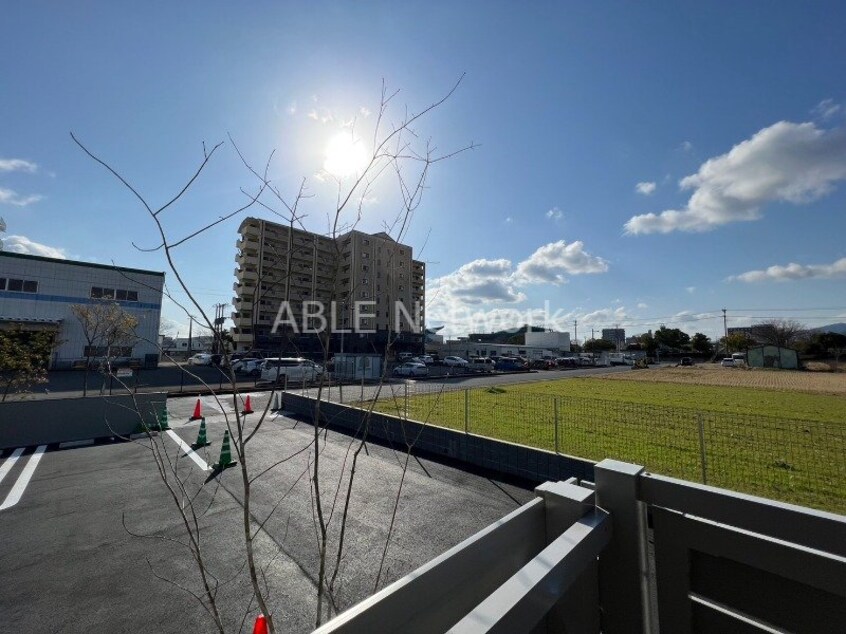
<point x="559" y="341"/>
<point x="37" y="293"/>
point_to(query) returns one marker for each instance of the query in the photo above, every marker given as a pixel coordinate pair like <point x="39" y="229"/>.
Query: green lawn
<point x="781" y="445"/>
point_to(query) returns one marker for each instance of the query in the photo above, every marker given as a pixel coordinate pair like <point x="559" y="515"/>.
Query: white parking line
<point x="23" y="481"/>
<point x="188" y="451"/>
<point x="10" y="462"/>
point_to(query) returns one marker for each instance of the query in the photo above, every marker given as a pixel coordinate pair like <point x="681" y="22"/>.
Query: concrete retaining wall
<point x="54" y="420"/>
<point x="529" y="463"/>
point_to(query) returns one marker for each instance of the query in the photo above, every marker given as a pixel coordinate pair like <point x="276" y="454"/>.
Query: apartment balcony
<point x="247" y="245"/>
<point x="245" y="275"/>
<point x="239" y="337"/>
<point x="242" y="317"/>
<point x="247" y="260"/>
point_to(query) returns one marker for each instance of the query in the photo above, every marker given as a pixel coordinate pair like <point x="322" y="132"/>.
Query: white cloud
<point x="646" y="188"/>
<point x="475" y="291"/>
<point x="685" y="316"/>
<point x="477" y="282"/>
<point x="826" y="109"/>
<point x="313" y="115"/>
<point x="22" y="244"/>
<point x="555" y="214"/>
<point x="690" y="289"/>
<point x="603" y="316"/>
<point x="17" y="165"/>
<point x="292" y="108"/>
<point x="11" y="197"/>
<point x="553" y="262"/>
<point x="642" y="305"/>
<point x="786" y="162"/>
<point x="364" y="112"/>
<point x="509" y="220"/>
<point x="686" y="146"/>
<point x="794" y="271"/>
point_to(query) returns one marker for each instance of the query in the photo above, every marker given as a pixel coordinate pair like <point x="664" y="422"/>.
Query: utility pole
<point x="217" y="346"/>
<point x="725" y="331"/>
<point x="575" y="332"/>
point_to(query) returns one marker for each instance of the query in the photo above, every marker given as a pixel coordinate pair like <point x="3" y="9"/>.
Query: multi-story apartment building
<point x="358" y="279"/>
<point x="617" y="336"/>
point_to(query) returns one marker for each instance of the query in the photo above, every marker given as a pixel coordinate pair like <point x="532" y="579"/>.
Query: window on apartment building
<point x="364" y="268"/>
<point x="365" y="241"/>
<point x="402" y="263"/>
<point x="365" y="294"/>
<point x="365" y="281"/>
<point x="2" y="283"/>
<point x="402" y="252"/>
<point x="402" y="276"/>
<point x="365" y="255"/>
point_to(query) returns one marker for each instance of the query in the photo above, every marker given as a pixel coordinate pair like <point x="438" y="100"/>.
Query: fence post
<point x="624" y="588"/>
<point x="361" y="400"/>
<point x="703" y="462"/>
<point x="405" y="399"/>
<point x="466" y="411"/>
<point x="555" y="410"/>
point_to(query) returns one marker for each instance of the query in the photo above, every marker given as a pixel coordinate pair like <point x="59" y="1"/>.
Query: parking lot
<point x="91" y="535"/>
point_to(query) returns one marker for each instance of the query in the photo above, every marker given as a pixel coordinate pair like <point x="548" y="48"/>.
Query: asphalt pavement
<point x="91" y="544"/>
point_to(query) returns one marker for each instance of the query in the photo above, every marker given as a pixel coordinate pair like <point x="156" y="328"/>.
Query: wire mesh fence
<point x="798" y="461"/>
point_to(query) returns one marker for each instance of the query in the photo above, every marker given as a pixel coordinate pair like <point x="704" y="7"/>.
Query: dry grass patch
<point x="782" y="380"/>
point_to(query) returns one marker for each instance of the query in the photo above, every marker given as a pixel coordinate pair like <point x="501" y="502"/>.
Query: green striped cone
<point x="202" y="441"/>
<point x="163" y="426"/>
<point x="225" y="453"/>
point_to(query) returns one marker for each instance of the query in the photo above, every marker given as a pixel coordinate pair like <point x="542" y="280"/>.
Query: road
<point x="352" y="393"/>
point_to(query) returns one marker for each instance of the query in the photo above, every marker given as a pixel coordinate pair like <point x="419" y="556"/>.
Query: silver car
<point x="410" y="368"/>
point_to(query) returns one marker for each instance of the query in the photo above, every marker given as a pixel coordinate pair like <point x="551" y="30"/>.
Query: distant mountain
<point x="840" y="328"/>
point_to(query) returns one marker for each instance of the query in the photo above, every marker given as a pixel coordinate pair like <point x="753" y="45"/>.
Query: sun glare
<point x="345" y="156"/>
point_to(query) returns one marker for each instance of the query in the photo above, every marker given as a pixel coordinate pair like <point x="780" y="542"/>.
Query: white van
<point x="298" y="370"/>
<point x="481" y="364"/>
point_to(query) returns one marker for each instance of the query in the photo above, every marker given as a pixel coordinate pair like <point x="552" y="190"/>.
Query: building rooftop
<point x="94" y="265"/>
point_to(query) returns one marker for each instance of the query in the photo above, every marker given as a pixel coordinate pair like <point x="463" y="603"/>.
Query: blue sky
<point x="636" y="163"/>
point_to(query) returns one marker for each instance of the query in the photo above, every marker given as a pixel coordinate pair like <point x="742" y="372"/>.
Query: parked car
<point x="201" y="358"/>
<point x="481" y="364"/>
<point x="728" y="362"/>
<point x="411" y="368"/>
<point x="567" y="362"/>
<point x="509" y="364"/>
<point x="297" y="370"/>
<point x="455" y="362"/>
<point x="252" y="367"/>
<point x="404" y="356"/>
<point x="427" y="359"/>
<point x="686" y="361"/>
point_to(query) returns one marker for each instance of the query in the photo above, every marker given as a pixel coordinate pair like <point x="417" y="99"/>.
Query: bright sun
<point x="345" y="156"/>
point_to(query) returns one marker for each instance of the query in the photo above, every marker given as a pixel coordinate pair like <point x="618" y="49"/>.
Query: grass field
<point x="781" y="444"/>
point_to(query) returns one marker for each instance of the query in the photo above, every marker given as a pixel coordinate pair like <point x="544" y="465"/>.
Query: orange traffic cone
<point x="197" y="415"/>
<point x="261" y="625"/>
<point x="248" y="408"/>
